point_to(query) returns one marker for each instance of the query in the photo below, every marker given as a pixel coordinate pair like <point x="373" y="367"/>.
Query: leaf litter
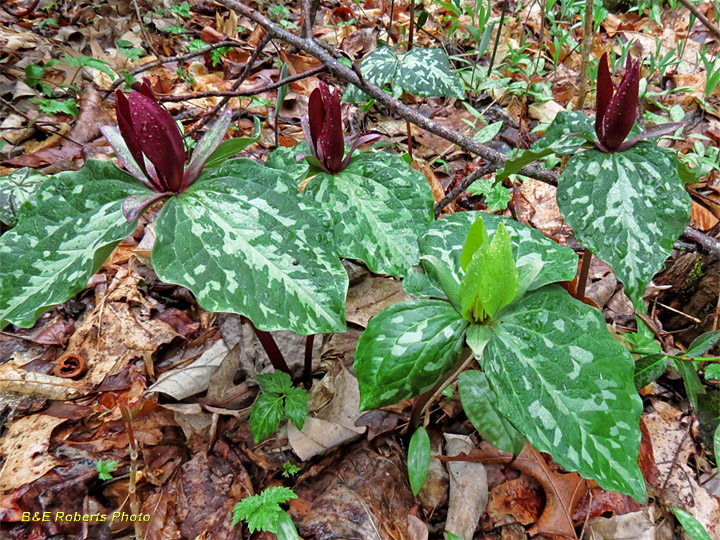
<point x="152" y="344"/>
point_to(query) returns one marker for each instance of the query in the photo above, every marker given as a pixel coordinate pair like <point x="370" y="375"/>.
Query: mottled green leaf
<point x="649" y="368"/>
<point x="377" y="68"/>
<point x="405" y="349"/>
<point x="691" y="525"/>
<point x="628" y="208"/>
<point x="445" y="240"/>
<point x="567" y="385"/>
<point x="64" y="234"/>
<point x="379" y="209"/>
<point x="285" y="159"/>
<point x="243" y="239"/>
<point x="703" y="343"/>
<point x="422" y="72"/>
<point x="716" y="445"/>
<point x="480" y="405"/>
<point x="15" y="189"/>
<point x="418" y="459"/>
<point x="427" y="72"/>
<point x="266" y="415"/>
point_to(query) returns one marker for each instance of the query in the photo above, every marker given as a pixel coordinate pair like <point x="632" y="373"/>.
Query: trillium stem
<point x="307" y="370"/>
<point x="271" y="348"/>
<point x="422" y="403"/>
<point x="583" y="276"/>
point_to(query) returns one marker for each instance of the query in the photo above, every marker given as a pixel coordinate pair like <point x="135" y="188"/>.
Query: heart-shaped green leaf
<point x="64" y="234"/>
<point x="567" y="385"/>
<point x="628" y="208"/>
<point x="405" y="349"/>
<point x="243" y="239"/>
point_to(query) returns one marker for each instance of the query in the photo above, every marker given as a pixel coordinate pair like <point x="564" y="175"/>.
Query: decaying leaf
<point x="25" y="449"/>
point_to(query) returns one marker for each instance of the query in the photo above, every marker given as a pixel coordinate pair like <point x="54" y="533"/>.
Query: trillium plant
<point x="149" y="145"/>
<point x="323" y="130"/>
<point x="240" y="235"/>
<point x="622" y="194"/>
<point x="550" y="373"/>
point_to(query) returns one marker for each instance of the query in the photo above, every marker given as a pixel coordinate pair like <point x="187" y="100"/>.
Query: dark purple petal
<point x="146" y="90"/>
<point x="316" y="116"/>
<point x="331" y="139"/>
<point x="622" y="110"/>
<point x="122" y="111"/>
<point x="159" y="139"/>
<point x="604" y="93"/>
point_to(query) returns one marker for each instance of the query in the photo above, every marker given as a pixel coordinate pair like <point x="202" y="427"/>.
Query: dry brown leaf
<point x="520" y="497"/>
<point x="676" y="483"/>
<point x="702" y="218"/>
<point x="334" y="424"/>
<point x="562" y="491"/>
<point x="369" y="296"/>
<point x="24" y="448"/>
<point x="118" y="330"/>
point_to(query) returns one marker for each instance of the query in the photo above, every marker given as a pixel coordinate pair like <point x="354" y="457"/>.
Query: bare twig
<point x="585" y="62"/>
<point x="706" y="242"/>
<point x="462" y="186"/>
<point x="178" y="58"/>
<point x="702" y="18"/>
<point x="241" y="78"/>
<point x="143" y="29"/>
<point x="241" y="93"/>
<point x="341" y="71"/>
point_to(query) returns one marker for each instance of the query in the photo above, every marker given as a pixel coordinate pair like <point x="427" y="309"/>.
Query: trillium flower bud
<point x="323" y="130"/>
<point x="150" y="146"/>
<point x="616" y="110"/>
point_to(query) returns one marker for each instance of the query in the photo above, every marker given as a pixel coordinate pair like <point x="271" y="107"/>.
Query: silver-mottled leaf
<point x="379" y="206"/>
<point x="628" y="208"/>
<point x="427" y="72"/>
<point x="567" y="385"/>
<point x="405" y="349"/>
<point x="64" y="234"/>
<point x="244" y="240"/>
<point x="378" y="68"/>
<point x="15" y="189"/>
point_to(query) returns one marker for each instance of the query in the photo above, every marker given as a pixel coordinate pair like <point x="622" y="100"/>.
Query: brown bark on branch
<point x="348" y="75"/>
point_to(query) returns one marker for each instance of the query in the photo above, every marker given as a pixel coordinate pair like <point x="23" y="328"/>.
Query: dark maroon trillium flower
<point x="150" y="146"/>
<point x="323" y="130"/>
<point x="616" y="110"/>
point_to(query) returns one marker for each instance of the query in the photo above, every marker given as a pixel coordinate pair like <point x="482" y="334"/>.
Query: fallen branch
<point x="714" y="30"/>
<point x="462" y="186"/>
<point x="243" y="93"/>
<point x="349" y="75"/>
